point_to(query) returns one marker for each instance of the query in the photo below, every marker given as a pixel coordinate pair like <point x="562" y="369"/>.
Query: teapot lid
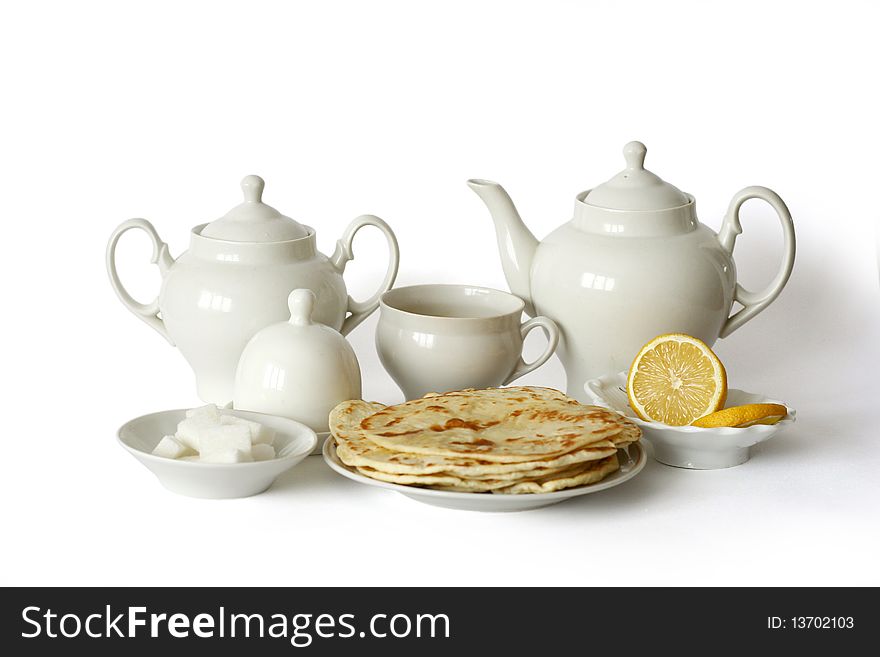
<point x="253" y="220"/>
<point x="636" y="188"/>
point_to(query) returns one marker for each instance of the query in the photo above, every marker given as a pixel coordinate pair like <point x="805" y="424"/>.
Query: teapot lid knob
<point x="301" y="302"/>
<point x="634" y="154"/>
<point x="252" y="187"/>
<point x="635" y="188"/>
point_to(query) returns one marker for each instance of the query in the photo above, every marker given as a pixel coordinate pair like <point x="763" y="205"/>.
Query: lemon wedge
<point x="676" y="379"/>
<point x="743" y="416"/>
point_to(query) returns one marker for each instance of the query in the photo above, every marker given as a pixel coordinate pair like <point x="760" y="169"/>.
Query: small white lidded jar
<point x="298" y="369"/>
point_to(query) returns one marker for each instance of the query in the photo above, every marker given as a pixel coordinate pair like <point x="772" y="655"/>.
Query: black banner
<point x="433" y="621"/>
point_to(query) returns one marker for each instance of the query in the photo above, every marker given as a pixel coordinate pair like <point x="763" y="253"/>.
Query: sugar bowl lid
<point x="635" y="188"/>
<point x="297" y="368"/>
<point x="253" y="220"/>
<point x="301" y="345"/>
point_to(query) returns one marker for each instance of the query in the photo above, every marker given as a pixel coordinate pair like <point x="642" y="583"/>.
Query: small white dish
<point x="632" y="461"/>
<point x="293" y="442"/>
<point x="692" y="447"/>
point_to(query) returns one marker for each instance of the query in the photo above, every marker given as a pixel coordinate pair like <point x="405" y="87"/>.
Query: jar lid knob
<point x="634" y="154"/>
<point x="301" y="302"/>
<point x="252" y="187"/>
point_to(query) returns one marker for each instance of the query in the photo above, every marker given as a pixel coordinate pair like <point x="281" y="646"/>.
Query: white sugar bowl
<point x="235" y="279"/>
<point x="299" y="369"/>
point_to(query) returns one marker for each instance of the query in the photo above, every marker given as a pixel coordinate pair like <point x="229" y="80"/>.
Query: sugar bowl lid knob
<point x="634" y="154"/>
<point x="252" y="187"/>
<point x="253" y="220"/>
<point x="301" y="303"/>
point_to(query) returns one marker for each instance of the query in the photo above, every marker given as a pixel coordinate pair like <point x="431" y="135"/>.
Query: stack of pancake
<point x="500" y="440"/>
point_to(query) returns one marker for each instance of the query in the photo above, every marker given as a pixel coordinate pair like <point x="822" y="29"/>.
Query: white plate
<point x="632" y="462"/>
<point x="293" y="442"/>
<point x="692" y="447"/>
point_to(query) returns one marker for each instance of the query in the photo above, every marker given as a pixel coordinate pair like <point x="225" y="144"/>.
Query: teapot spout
<point x="516" y="244"/>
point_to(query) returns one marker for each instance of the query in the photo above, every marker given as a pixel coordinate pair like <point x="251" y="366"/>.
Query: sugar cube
<point x="171" y="448"/>
<point x="209" y="412"/>
<point x="262" y="452"/>
<point x="260" y="435"/>
<point x="227" y="456"/>
<point x="190" y="430"/>
<point x="219" y="438"/>
<point x="224" y="438"/>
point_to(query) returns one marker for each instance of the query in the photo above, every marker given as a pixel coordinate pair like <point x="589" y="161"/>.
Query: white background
<point x="113" y="110"/>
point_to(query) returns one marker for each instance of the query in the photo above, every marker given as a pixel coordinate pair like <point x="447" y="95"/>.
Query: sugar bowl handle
<point x="360" y="310"/>
<point x="147" y="312"/>
<point x="755" y="302"/>
<point x="551" y="331"/>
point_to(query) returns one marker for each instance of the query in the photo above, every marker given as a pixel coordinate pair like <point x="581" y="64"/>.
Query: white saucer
<point x="632" y="462"/>
<point x="692" y="447"/>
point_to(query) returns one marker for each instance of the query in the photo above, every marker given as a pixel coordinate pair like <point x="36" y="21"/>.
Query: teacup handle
<point x="755" y="302"/>
<point x="360" y="310"/>
<point x="551" y="331"/>
<point x="148" y="312"/>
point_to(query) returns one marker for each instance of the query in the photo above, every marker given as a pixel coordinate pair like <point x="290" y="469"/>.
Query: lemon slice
<point x="676" y="379"/>
<point x="743" y="416"/>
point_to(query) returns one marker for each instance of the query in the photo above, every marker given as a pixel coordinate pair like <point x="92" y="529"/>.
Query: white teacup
<point x="435" y="338"/>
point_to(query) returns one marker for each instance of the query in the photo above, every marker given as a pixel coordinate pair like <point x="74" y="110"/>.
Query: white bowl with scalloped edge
<point x="692" y="447"/>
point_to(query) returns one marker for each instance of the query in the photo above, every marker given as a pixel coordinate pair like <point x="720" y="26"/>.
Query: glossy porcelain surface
<point x="298" y="368"/>
<point x="293" y="442"/>
<point x="636" y="266"/>
<point x="632" y="461"/>
<point x="220" y="292"/>
<point x="253" y="220"/>
<point x="692" y="447"/>
<point x="435" y="338"/>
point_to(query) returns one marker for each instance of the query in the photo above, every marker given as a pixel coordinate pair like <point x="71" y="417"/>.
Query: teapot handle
<point x="755" y="302"/>
<point x="360" y="310"/>
<point x="148" y="312"/>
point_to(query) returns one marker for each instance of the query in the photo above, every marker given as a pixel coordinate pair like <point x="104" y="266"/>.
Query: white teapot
<point x="235" y="279"/>
<point x="634" y="262"/>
